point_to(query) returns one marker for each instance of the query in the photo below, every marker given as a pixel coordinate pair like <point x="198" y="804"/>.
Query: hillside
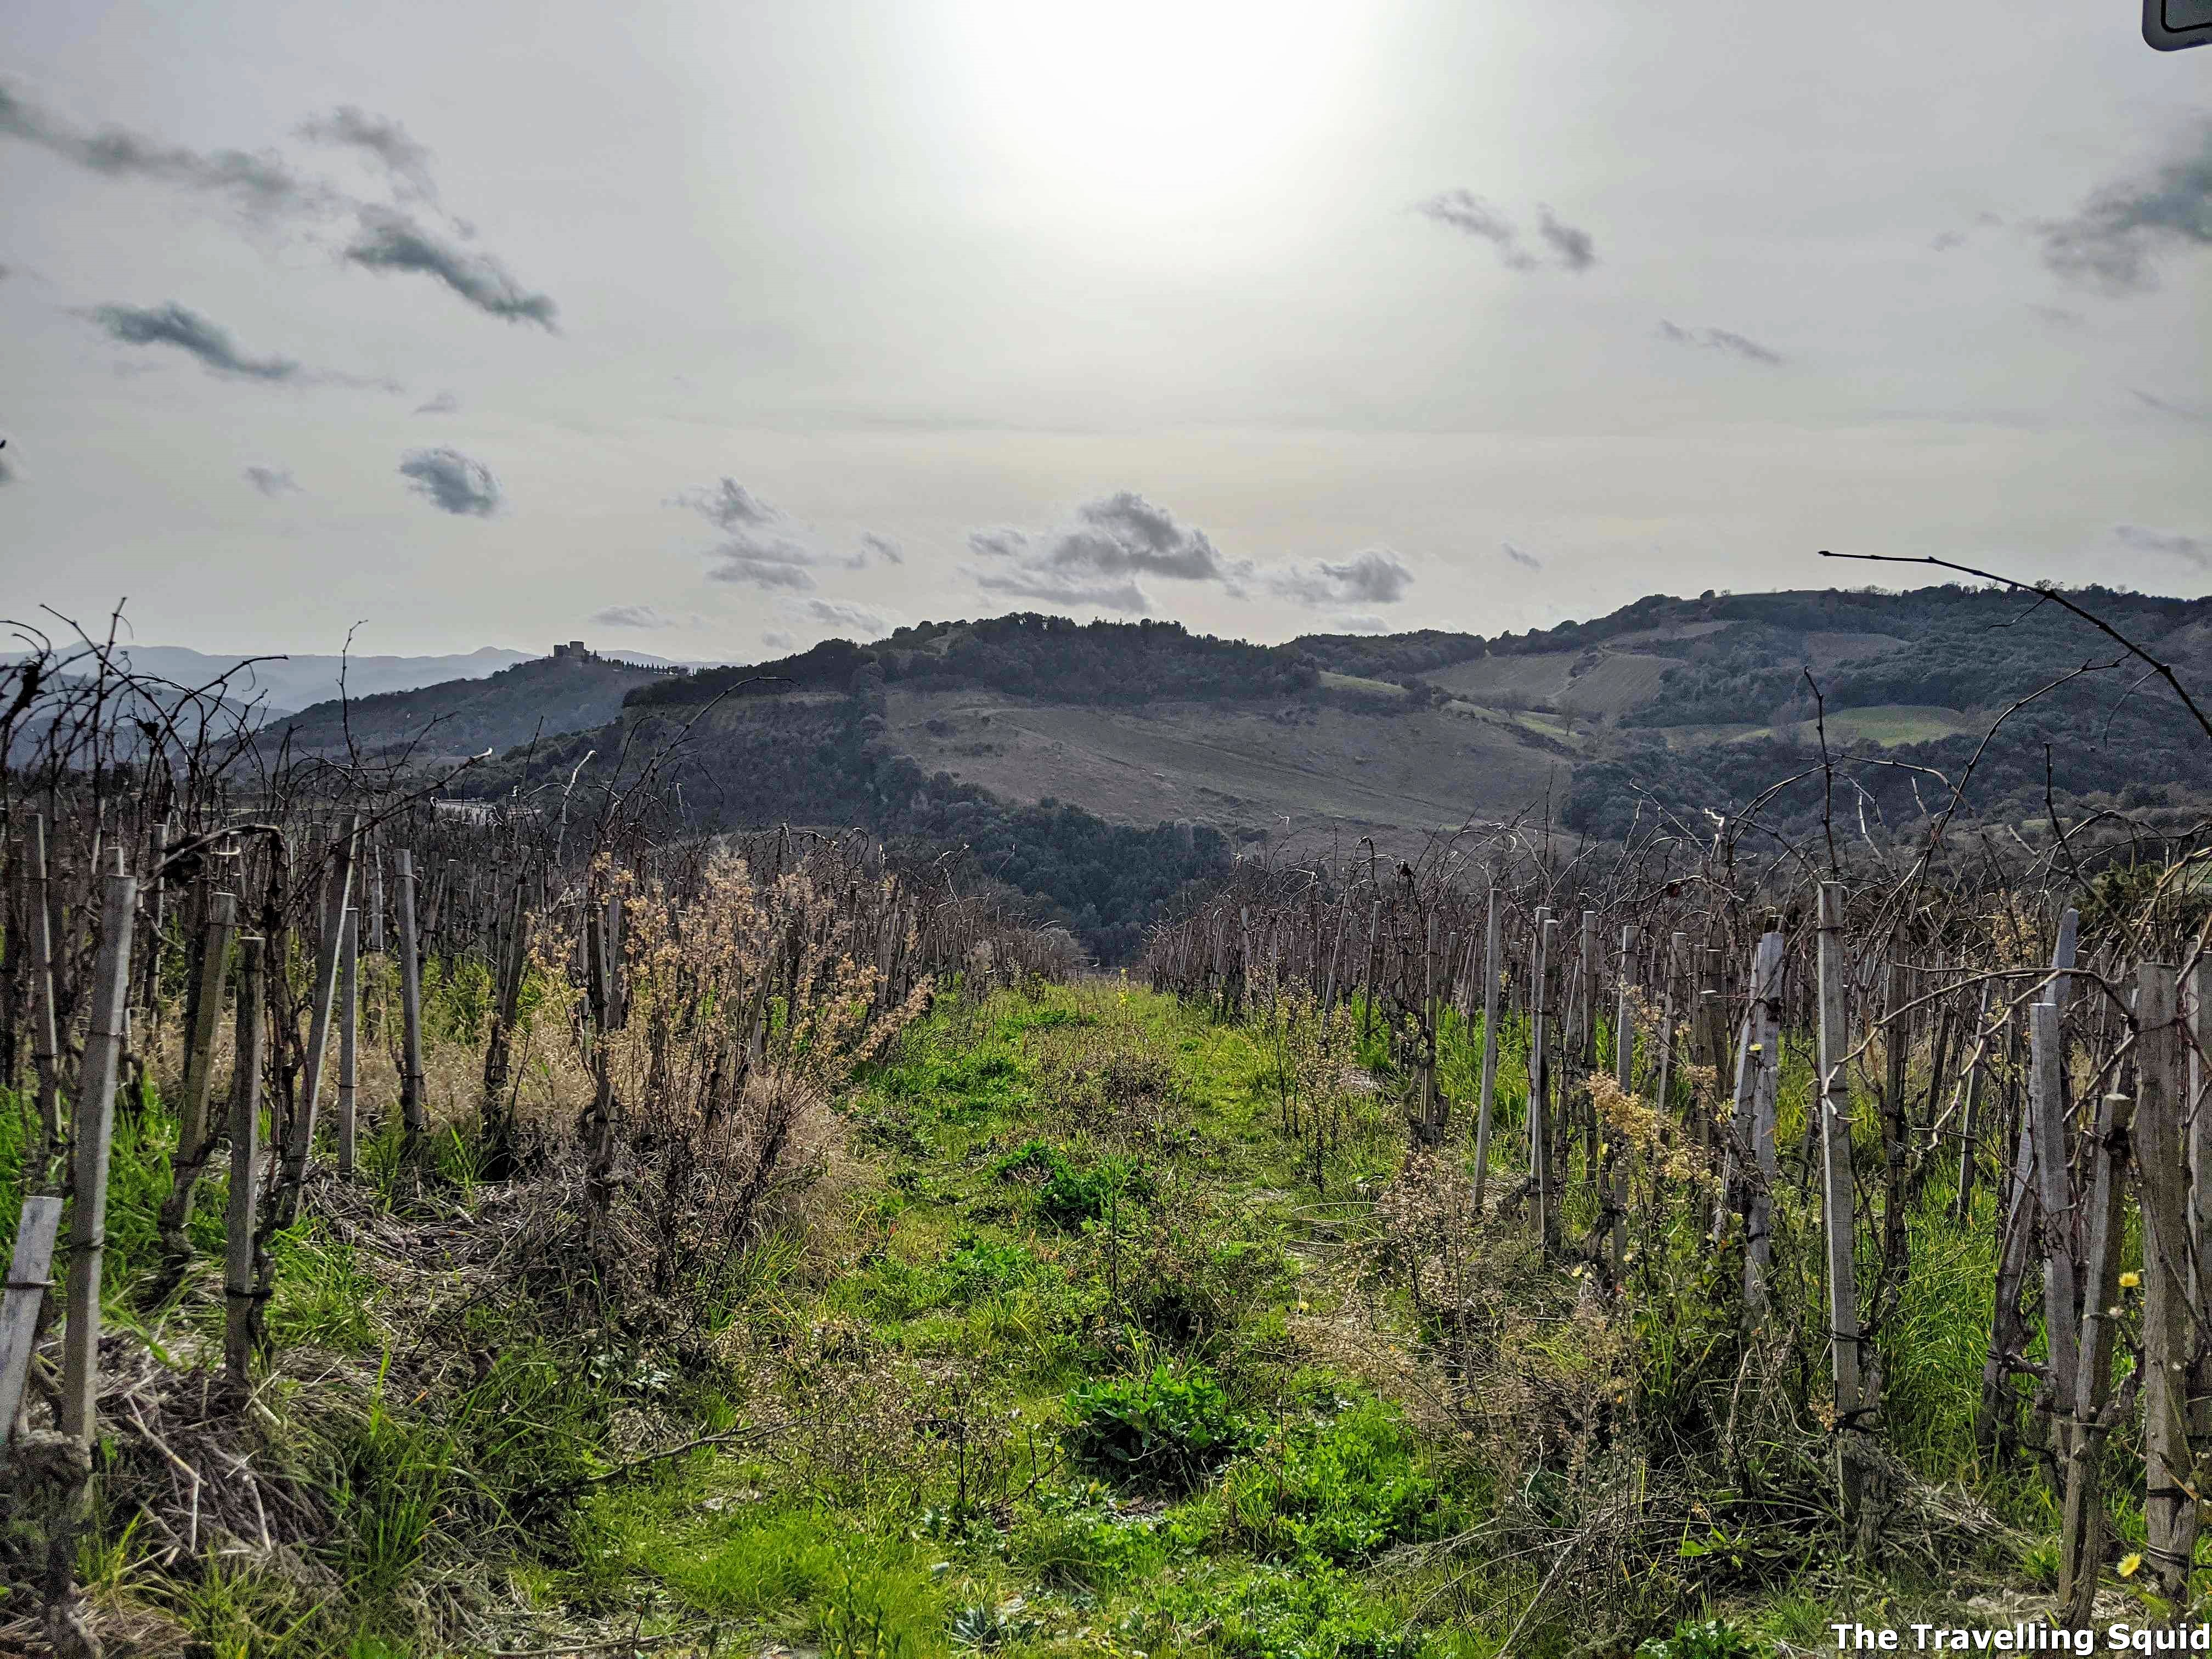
<point x="1010" y="736"/>
<point x="548" y="694"/>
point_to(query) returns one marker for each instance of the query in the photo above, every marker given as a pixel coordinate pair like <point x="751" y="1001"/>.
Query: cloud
<point x="2191" y="549"/>
<point x="262" y="184"/>
<point x="1575" y="250"/>
<point x="886" y="550"/>
<point x="266" y="187"/>
<point x="776" y="639"/>
<point x="1095" y="560"/>
<point x="1377" y="576"/>
<point x="1719" y="339"/>
<point x="392" y="240"/>
<point x="728" y="506"/>
<point x="856" y="619"/>
<point x="407" y="161"/>
<point x="2169" y="406"/>
<point x="761" y="547"/>
<point x="2123" y="229"/>
<point x="1471" y="215"/>
<point x="450" y="482"/>
<point x="7" y="472"/>
<point x="271" y="481"/>
<point x="444" y="403"/>
<point x="767" y="563"/>
<point x="1468" y="213"/>
<point x="1359" y="622"/>
<point x="1526" y="561"/>
<point x="172" y="324"/>
<point x="636" y="615"/>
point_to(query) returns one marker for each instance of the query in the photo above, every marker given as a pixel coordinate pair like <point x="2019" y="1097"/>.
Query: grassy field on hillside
<point x="1090" y="1335"/>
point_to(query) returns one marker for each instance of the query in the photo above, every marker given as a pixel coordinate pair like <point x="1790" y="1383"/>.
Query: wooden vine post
<point x="1539" y="1148"/>
<point x="299" y="1145"/>
<point x="1492" y="952"/>
<point x="348" y="1016"/>
<point x="2081" y="1528"/>
<point x="93" y="1129"/>
<point x="1623" y="1078"/>
<point x="1758" y="1071"/>
<point x="412" y="1110"/>
<point x="242" y="1268"/>
<point x="196" y="1136"/>
<point x="2161" y="1148"/>
<point x="1838" y="1202"/>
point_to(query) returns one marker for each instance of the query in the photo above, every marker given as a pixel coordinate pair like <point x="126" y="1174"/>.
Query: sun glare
<point x="1154" y="104"/>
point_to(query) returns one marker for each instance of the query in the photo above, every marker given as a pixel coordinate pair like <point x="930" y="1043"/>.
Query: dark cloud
<point x="2169" y="406"/>
<point x="2191" y="549"/>
<point x="2121" y="232"/>
<point x="392" y="240"/>
<point x="1526" y="561"/>
<point x="1468" y="213"/>
<point x="1575" y="250"/>
<point x="407" y="161"/>
<point x="261" y="183"/>
<point x="7" y="472"/>
<point x="187" y="331"/>
<point x="271" y="481"/>
<point x="768" y="562"/>
<point x="1359" y="622"/>
<point x="856" y="620"/>
<point x="1124" y="535"/>
<point x="1096" y="560"/>
<point x="634" y="616"/>
<point x="6" y="271"/>
<point x="886" y="550"/>
<point x="1719" y="339"/>
<point x="1377" y="576"/>
<point x="776" y="639"/>
<point x="728" y="506"/>
<point x="444" y="403"/>
<point x="1471" y="215"/>
<point x="267" y="187"/>
<point x="761" y="549"/>
<point x="450" y="482"/>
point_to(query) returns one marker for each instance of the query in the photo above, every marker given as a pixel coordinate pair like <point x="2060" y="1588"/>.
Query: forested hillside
<point x="547" y="696"/>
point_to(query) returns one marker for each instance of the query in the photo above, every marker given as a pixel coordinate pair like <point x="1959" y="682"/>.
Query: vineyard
<point x="530" y="1226"/>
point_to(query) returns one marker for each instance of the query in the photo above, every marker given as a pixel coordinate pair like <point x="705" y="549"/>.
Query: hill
<point x="549" y="695"/>
<point x="1040" y="744"/>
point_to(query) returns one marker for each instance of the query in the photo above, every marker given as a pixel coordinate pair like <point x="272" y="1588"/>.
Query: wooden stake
<point x="195" y="1133"/>
<point x="242" y="1268"/>
<point x="93" y="1131"/>
<point x="300" y="1144"/>
<point x="412" y="1112"/>
<point x="348" y="1041"/>
<point x="27" y="1285"/>
<point x="44" y="1025"/>
<point x="2160" y="1149"/>
<point x="1838" y="1198"/>
<point x="2081" y="1544"/>
<point x="1492" y="950"/>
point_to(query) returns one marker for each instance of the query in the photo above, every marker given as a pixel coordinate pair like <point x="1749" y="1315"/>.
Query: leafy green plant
<point x="986" y="1627"/>
<point x="1169" y="1429"/>
<point x="1342" y="1491"/>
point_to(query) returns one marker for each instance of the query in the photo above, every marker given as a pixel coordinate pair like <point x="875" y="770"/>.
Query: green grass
<point x="1078" y="1352"/>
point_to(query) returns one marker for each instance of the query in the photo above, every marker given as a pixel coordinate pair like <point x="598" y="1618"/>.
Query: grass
<point x="1071" y="1353"/>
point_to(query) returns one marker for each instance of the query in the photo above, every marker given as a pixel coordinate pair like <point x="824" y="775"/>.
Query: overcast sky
<point x="708" y="329"/>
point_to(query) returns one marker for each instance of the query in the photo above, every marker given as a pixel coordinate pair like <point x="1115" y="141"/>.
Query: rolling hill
<point x="1099" y="766"/>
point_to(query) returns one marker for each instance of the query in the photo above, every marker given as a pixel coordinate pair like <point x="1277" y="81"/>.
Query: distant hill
<point x="1099" y="765"/>
<point x="284" y="683"/>
<point x="543" y="694"/>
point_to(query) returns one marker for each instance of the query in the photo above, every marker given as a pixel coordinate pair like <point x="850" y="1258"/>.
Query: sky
<point x="712" y="330"/>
